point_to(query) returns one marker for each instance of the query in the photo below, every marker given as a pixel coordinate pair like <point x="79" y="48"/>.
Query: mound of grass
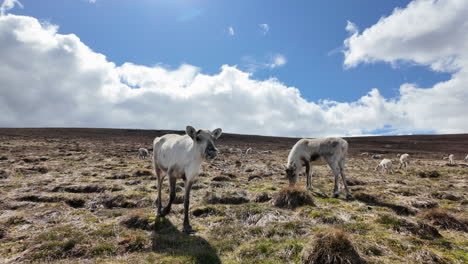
<point x="331" y="247"/>
<point x="443" y="219"/>
<point x="221" y="178"/>
<point x="445" y="196"/>
<point x="292" y="197"/>
<point x="262" y="197"/>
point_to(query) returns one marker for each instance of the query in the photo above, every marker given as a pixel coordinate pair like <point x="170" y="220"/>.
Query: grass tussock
<point x="292" y="197"/>
<point x="443" y="219"/>
<point x="331" y="247"/>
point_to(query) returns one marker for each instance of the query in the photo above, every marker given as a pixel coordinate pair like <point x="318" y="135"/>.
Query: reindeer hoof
<point x="349" y="197"/>
<point x="188" y="230"/>
<point x="160" y="214"/>
<point x="335" y="195"/>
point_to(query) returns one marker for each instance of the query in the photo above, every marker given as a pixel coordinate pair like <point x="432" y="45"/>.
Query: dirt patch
<point x="292" y="197"/>
<point x="428" y="174"/>
<point x="333" y="247"/>
<point x="143" y="172"/>
<point x="138" y="220"/>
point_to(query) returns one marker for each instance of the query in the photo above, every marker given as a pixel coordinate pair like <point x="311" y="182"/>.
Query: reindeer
<point x="143" y="153"/>
<point x="181" y="157"/>
<point x="333" y="150"/>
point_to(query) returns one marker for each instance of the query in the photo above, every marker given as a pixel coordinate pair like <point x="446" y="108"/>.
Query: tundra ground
<point x="83" y="196"/>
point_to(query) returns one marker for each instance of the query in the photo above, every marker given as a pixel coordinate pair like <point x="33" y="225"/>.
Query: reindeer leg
<point x="187" y="227"/>
<point x="336" y="171"/>
<point x="160" y="180"/>
<point x="309" y="176"/>
<point x="172" y="185"/>
<point x="343" y="176"/>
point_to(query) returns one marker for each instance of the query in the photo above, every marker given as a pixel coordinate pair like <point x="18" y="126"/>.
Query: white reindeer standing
<point x="181" y="157"/>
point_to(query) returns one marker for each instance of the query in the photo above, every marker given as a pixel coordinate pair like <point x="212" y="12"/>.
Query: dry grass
<point x="444" y="219"/>
<point x="331" y="247"/>
<point x="292" y="197"/>
<point x="80" y="198"/>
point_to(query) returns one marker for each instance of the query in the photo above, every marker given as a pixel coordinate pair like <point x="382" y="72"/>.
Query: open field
<point x="83" y="196"/>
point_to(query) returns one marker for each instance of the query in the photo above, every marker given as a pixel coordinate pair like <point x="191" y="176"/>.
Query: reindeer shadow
<point x="166" y="238"/>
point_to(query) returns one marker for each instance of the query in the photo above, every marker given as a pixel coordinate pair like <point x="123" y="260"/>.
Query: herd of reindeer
<point x="181" y="156"/>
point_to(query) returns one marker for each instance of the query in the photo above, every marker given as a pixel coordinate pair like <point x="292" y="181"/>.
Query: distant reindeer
<point x="385" y="165"/>
<point x="333" y="150"/>
<point x="404" y="161"/>
<point x="451" y="158"/>
<point x="143" y="153"/>
<point x="181" y="157"/>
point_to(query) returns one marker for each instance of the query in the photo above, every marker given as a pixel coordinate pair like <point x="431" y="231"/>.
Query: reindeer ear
<point x="217" y="133"/>
<point x="285" y="166"/>
<point x="191" y="132"/>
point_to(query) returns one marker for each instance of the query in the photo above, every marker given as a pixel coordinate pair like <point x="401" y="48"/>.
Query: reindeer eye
<point x="198" y="139"/>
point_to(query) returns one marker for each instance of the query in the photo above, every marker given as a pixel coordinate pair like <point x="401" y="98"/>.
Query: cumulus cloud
<point x="264" y="28"/>
<point x="52" y="79"/>
<point x="8" y="5"/>
<point x="230" y="31"/>
<point x="428" y="33"/>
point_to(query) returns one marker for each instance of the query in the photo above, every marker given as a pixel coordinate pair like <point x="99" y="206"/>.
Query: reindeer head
<point x="204" y="141"/>
<point x="291" y="173"/>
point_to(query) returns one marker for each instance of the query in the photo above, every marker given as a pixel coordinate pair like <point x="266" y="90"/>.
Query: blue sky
<point x="308" y="33"/>
<point x="294" y="68"/>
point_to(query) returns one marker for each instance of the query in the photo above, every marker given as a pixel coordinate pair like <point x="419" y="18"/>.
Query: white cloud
<point x="264" y="28"/>
<point x="269" y="62"/>
<point x="230" y="31"/>
<point x="8" y="5"/>
<point x="51" y="79"/>
<point x="92" y="1"/>
<point x="277" y="61"/>
<point x="429" y="33"/>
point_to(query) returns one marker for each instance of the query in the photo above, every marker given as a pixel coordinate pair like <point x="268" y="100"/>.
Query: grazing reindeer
<point x="181" y="157"/>
<point x="451" y="159"/>
<point x="385" y="165"/>
<point x="143" y="153"/>
<point x="333" y="150"/>
<point x="404" y="161"/>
